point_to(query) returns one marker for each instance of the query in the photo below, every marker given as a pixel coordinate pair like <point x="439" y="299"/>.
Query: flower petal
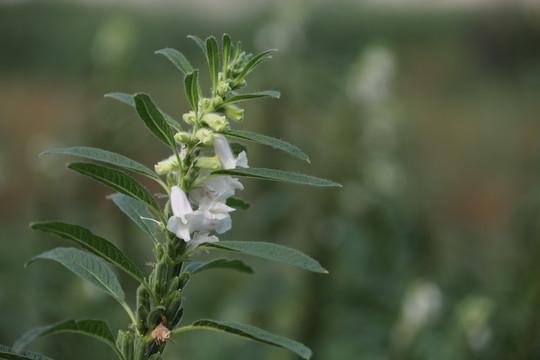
<point x="179" y="202"/>
<point x="223" y="150"/>
<point x="179" y="227"/>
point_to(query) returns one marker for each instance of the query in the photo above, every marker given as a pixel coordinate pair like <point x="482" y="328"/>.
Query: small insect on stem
<point x="161" y="333"/>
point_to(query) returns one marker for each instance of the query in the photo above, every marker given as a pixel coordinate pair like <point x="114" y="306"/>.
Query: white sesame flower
<point x="210" y="216"/>
<point x="217" y="188"/>
<point x="226" y="156"/>
<point x="178" y="223"/>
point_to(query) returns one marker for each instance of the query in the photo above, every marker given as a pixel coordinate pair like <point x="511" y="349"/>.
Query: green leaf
<point x="275" y="175"/>
<point x="95" y="328"/>
<point x="237" y="148"/>
<point x="199" y="42"/>
<point x="256" y="60"/>
<point x="130" y="100"/>
<point x="10" y="354"/>
<point x="191" y="82"/>
<point x="93" y="243"/>
<point x="250" y="333"/>
<point x="237" y="203"/>
<point x="196" y="267"/>
<point x="269" y="251"/>
<point x="105" y="156"/>
<point x="270" y="141"/>
<point x="122" y="97"/>
<point x="136" y="211"/>
<point x="88" y="267"/>
<point x="153" y="119"/>
<point x="118" y="181"/>
<point x="213" y="60"/>
<point x="226" y="41"/>
<point x="177" y="58"/>
<point x="255" y="95"/>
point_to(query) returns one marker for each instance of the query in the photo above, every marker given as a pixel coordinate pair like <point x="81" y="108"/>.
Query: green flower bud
<point x="205" y="104"/>
<point x="208" y="163"/>
<point x="223" y="87"/>
<point x="167" y="165"/>
<point x="234" y="112"/>
<point x="182" y="137"/>
<point x="217" y="101"/>
<point x="189" y="117"/>
<point x="216" y="122"/>
<point x="206" y="136"/>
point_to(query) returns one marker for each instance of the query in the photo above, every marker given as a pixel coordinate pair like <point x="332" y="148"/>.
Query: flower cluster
<point x="210" y="197"/>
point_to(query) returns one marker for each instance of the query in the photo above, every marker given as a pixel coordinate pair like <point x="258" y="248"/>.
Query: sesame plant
<point x="198" y="183"/>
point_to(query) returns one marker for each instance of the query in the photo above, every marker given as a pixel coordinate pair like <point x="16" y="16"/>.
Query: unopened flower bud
<point x="167" y="165"/>
<point x="208" y="163"/>
<point x="190" y="117"/>
<point x="223" y="88"/>
<point x="234" y="112"/>
<point x="216" y="101"/>
<point x="205" y="104"/>
<point x="182" y="137"/>
<point x="216" y="122"/>
<point x="206" y="136"/>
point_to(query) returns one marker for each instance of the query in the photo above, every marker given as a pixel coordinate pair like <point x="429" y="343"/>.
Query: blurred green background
<point x="428" y="116"/>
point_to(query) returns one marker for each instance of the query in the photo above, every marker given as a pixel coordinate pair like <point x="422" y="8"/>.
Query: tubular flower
<point x="218" y="188"/>
<point x="223" y="150"/>
<point x="181" y="208"/>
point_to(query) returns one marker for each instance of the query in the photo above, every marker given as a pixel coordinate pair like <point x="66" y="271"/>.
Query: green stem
<point x="130" y="313"/>
<point x="186" y="328"/>
<point x="201" y="180"/>
<point x="163" y="185"/>
<point x="118" y="352"/>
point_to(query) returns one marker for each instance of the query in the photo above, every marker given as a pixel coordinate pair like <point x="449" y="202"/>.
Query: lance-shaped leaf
<point x="191" y="82"/>
<point x="118" y="181"/>
<point x="237" y="203"/>
<point x="136" y="211"/>
<point x="269" y="251"/>
<point x="130" y="100"/>
<point x="177" y="58"/>
<point x="270" y="141"/>
<point x="105" y="156"/>
<point x="238" y="265"/>
<point x="227" y="47"/>
<point x="153" y="119"/>
<point x="88" y="267"/>
<point x="251" y="333"/>
<point x="93" y="243"/>
<point x="255" y="95"/>
<point x="10" y="354"/>
<point x="275" y="175"/>
<point x="95" y="328"/>
<point x="212" y="51"/>
<point x="199" y="42"/>
<point x="256" y="60"/>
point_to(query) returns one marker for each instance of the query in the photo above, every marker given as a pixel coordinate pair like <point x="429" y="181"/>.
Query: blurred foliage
<point x="428" y="118"/>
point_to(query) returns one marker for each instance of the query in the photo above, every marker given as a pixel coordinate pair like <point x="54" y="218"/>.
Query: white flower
<point x="200" y="238"/>
<point x="211" y="216"/>
<point x="214" y="209"/>
<point x="223" y="150"/>
<point x="217" y="188"/>
<point x="181" y="208"/>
